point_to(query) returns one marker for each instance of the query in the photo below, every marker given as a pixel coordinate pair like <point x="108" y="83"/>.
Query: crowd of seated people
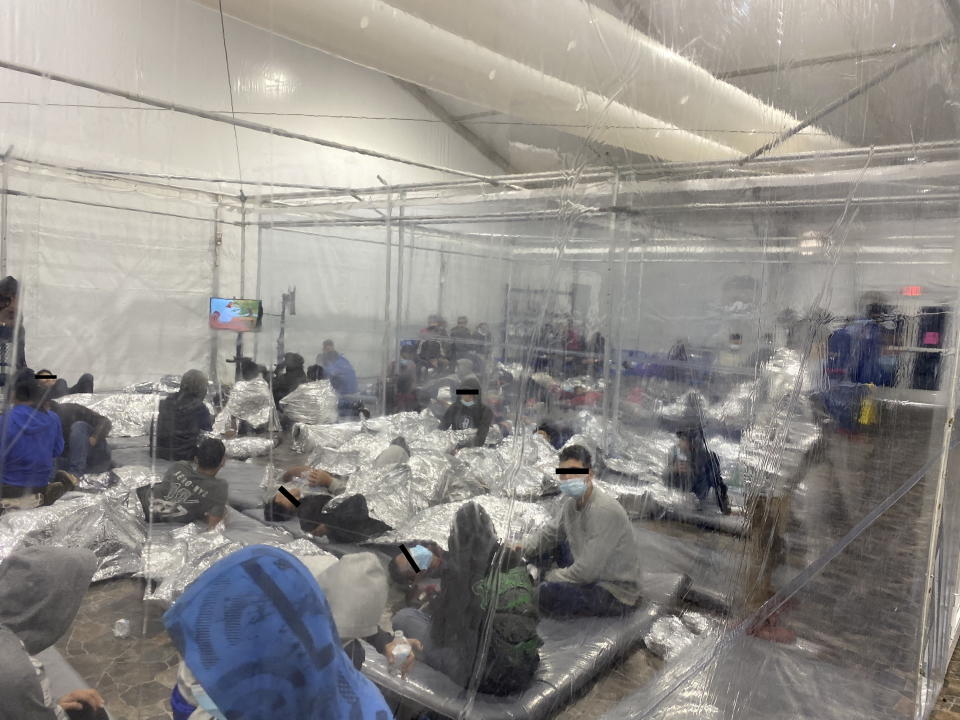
<point x="584" y="563"/>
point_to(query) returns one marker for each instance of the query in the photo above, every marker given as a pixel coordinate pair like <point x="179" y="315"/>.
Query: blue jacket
<point x="341" y="375"/>
<point x="31" y="440"/>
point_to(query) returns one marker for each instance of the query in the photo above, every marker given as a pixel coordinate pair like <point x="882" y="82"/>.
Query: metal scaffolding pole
<point x="608" y="398"/>
<point x="386" y="305"/>
<point x="398" y="324"/>
<point x="215" y="244"/>
<point x="3" y="214"/>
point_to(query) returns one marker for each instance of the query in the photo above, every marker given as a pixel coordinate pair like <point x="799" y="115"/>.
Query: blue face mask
<point x="421" y="556"/>
<point x="467" y="403"/>
<point x="574" y="488"/>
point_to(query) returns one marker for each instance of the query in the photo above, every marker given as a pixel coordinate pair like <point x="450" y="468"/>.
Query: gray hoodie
<point x="41" y="589"/>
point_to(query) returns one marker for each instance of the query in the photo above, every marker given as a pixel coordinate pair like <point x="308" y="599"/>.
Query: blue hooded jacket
<point x="31" y="440"/>
<point x="341" y="374"/>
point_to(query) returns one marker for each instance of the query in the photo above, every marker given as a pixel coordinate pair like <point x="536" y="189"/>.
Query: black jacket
<point x="180" y="420"/>
<point x="460" y="417"/>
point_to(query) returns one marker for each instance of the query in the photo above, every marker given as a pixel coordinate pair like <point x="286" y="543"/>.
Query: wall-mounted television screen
<point x="236" y="315"/>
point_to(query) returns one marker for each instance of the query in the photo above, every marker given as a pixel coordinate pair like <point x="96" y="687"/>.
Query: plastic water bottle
<point x="401" y="651"/>
<point x="121" y="628"/>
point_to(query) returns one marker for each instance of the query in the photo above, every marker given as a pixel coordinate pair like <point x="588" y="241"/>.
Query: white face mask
<point x="467" y="403"/>
<point x="734" y="348"/>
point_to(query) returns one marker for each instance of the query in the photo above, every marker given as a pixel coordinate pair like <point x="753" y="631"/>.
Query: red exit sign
<point x="912" y="291"/>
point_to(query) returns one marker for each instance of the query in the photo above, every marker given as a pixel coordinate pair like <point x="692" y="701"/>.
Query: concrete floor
<point x="861" y="611"/>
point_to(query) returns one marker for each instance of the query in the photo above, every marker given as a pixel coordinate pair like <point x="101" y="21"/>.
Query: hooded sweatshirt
<point x="258" y="635"/>
<point x="31" y="440"/>
<point x="40" y="592"/>
<point x="182" y="417"/>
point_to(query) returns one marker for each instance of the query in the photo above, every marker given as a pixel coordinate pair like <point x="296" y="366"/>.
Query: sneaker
<point x="53" y="492"/>
<point x="69" y="480"/>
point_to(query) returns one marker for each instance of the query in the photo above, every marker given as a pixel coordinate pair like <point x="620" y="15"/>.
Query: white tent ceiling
<point x="554" y="83"/>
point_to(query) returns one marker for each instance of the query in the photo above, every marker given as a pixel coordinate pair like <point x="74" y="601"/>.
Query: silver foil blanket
<point x="241" y="448"/>
<point x="165" y="385"/>
<point x="110" y="524"/>
<point x="308" y="438"/>
<point x="179" y="555"/>
<point x="313" y="403"/>
<point x="394" y="493"/>
<point x="668" y="637"/>
<point x="130" y="413"/>
<point x="250" y="401"/>
<point x="512" y="520"/>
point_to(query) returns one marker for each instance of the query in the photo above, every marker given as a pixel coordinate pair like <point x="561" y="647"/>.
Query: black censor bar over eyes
<point x="467" y="391"/>
<point x="286" y="493"/>
<point x="409" y="557"/>
<point x="572" y="471"/>
<point x="44" y="376"/>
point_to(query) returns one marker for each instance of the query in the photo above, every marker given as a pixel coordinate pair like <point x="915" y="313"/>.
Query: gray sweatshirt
<point x="602" y="542"/>
<point x="40" y="592"/>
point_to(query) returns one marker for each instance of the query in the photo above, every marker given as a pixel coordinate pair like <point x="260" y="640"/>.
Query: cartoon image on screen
<point x="236" y="315"/>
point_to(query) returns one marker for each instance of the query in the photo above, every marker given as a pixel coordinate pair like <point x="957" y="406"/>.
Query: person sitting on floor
<point x="182" y="417"/>
<point x="593" y="544"/>
<point x="451" y="629"/>
<point x="288" y="376"/>
<point x="693" y="467"/>
<point x="30" y="439"/>
<point x="41" y="589"/>
<point x="338" y="370"/>
<point x="258" y="640"/>
<point x="468" y="413"/>
<point x="85" y="434"/>
<point x="187" y="493"/>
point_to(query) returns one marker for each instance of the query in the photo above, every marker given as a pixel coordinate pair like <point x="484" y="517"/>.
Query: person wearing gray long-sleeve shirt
<point x="594" y="546"/>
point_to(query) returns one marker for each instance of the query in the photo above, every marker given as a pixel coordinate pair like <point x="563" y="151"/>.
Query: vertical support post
<point x="929" y="600"/>
<point x="243" y="246"/>
<point x="385" y="361"/>
<point x="442" y="279"/>
<point x="215" y="243"/>
<point x="619" y="304"/>
<point x="398" y="324"/>
<point x="3" y="212"/>
<point x="608" y="398"/>
<point x="256" y="336"/>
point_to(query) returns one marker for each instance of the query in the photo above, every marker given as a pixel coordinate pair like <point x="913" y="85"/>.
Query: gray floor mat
<point x="574" y="652"/>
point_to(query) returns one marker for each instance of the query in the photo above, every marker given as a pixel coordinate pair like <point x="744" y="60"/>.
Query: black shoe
<point x="53" y="492"/>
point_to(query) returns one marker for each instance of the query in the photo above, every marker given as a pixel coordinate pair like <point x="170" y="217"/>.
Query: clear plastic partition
<point x="555" y="360"/>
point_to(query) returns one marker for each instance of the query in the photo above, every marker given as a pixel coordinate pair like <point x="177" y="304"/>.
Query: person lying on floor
<point x="356" y="588"/>
<point x="304" y="480"/>
<point x="57" y="387"/>
<point x="41" y="589"/>
<point x="258" y="640"/>
<point x="30" y="439"/>
<point x="415" y="588"/>
<point x="468" y="413"/>
<point x="593" y="545"/>
<point x="450" y="628"/>
<point x="190" y="492"/>
<point x="182" y="417"/>
<point x="85" y="431"/>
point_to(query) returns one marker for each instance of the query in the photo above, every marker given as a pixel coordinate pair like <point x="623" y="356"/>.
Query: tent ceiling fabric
<point x="592" y="75"/>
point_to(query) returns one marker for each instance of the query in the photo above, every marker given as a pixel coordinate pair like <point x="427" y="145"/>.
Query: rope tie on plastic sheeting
<point x="801" y="579"/>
